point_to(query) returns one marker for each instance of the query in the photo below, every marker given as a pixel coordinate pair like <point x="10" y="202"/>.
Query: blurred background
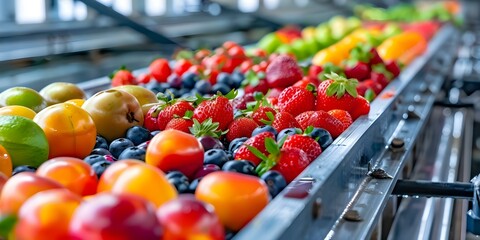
<point x="45" y="41"/>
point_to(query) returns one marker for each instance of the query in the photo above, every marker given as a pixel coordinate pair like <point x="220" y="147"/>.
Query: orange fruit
<point x="24" y="141"/>
<point x="16" y="110"/>
<point x="5" y="162"/>
<point x="70" y="130"/>
<point x="111" y="174"/>
<point x="76" y="102"/>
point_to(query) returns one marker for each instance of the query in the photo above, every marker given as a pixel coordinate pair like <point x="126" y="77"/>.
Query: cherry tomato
<point x="144" y="181"/>
<point x="46" y="215"/>
<point x="237" y="198"/>
<point x="110" y="176"/>
<point x="69" y="129"/>
<point x="175" y="150"/>
<point x="73" y="173"/>
<point x="21" y="187"/>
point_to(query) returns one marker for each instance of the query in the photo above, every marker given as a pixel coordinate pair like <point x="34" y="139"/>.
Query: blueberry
<point x="180" y="184"/>
<point x="175" y="81"/>
<point x="209" y="142"/>
<point x="176" y="174"/>
<point x="237" y="79"/>
<point x="206" y="169"/>
<point x="229" y="234"/>
<point x="133" y="153"/>
<point x="100" y="167"/>
<point x="221" y="87"/>
<point x="189" y="79"/>
<point x="215" y="156"/>
<point x="236" y="143"/>
<point x="288" y="132"/>
<point x="154" y="133"/>
<point x="143" y="145"/>
<point x="155" y="86"/>
<point x="182" y="92"/>
<point x="118" y="145"/>
<point x="23" y="168"/>
<point x="275" y="182"/>
<point x="170" y="92"/>
<point x="322" y="136"/>
<point x="138" y="135"/>
<point x="224" y="78"/>
<point x="203" y="86"/>
<point x="94" y="158"/>
<point x="100" y="151"/>
<point x="240" y="166"/>
<point x="264" y="128"/>
<point x="101" y="142"/>
<point x="193" y="185"/>
<point x="194" y="92"/>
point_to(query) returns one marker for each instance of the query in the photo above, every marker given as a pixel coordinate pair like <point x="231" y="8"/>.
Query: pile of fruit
<point x="193" y="149"/>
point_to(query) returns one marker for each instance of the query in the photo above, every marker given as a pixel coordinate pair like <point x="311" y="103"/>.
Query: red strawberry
<point x="150" y="121"/>
<point x="375" y="57"/>
<point x="181" y="66"/>
<point x="246" y="66"/>
<point x="180" y="124"/>
<point x="379" y="78"/>
<point x="274" y="92"/>
<point x="393" y="67"/>
<point x="336" y="93"/>
<point x="218" y="108"/>
<point x="241" y="102"/>
<point x="314" y="70"/>
<point x="259" y="115"/>
<point x="358" y="70"/>
<point x="144" y="78"/>
<point x="258" y="142"/>
<point x="321" y="119"/>
<point x="307" y="144"/>
<point x="362" y="108"/>
<point x="343" y="116"/>
<point x="284" y="120"/>
<point x="291" y="162"/>
<point x="283" y="71"/>
<point x="122" y="77"/>
<point x="370" y="84"/>
<point x="240" y="127"/>
<point x="160" y="69"/>
<point x="262" y="87"/>
<point x="171" y="110"/>
<point x="296" y="100"/>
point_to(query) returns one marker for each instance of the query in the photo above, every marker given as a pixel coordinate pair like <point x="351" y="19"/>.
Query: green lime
<point x="22" y="96"/>
<point x="24" y="140"/>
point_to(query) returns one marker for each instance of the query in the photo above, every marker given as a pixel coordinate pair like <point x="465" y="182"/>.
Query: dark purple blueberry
<point x="179" y="184"/>
<point x="193" y="185"/>
<point x="224" y="78"/>
<point x="133" y="153"/>
<point x="215" y="156"/>
<point x="288" y="132"/>
<point x="203" y="86"/>
<point x="264" y="128"/>
<point x="236" y="143"/>
<point x="100" y="151"/>
<point x="206" y="169"/>
<point x="23" y="168"/>
<point x="275" y="182"/>
<point x="100" y="167"/>
<point x="240" y="166"/>
<point x="189" y="79"/>
<point x="322" y="136"/>
<point x="220" y="87"/>
<point x="92" y="159"/>
<point x="154" y="133"/>
<point x="138" y="135"/>
<point x="101" y="142"/>
<point x="210" y="143"/>
<point x="176" y="174"/>
<point x="156" y="87"/>
<point x="118" y="145"/>
<point x="237" y="79"/>
<point x="175" y="81"/>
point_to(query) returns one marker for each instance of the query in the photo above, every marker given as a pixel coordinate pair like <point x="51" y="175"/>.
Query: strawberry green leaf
<point x="257" y="153"/>
<point x="7" y="225"/>
<point x="341" y="90"/>
<point x="232" y="94"/>
<point x="369" y="95"/>
<point x="270" y="116"/>
<point x="380" y="68"/>
<point x="352" y="89"/>
<point x="188" y="114"/>
<point x="332" y="89"/>
<point x="308" y="130"/>
<point x="272" y="146"/>
<point x="311" y="88"/>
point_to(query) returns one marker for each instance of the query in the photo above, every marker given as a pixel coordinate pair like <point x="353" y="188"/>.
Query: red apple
<point x="116" y="217"/>
<point x="187" y="218"/>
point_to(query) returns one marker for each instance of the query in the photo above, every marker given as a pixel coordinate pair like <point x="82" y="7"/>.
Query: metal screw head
<point x="397" y="145"/>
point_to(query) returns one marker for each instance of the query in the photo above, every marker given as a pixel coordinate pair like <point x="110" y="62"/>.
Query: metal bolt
<point x="317" y="208"/>
<point x="397" y="145"/>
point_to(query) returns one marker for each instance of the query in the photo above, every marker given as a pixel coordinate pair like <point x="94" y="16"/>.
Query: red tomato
<point x="160" y="69"/>
<point x="175" y="150"/>
<point x="73" y="173"/>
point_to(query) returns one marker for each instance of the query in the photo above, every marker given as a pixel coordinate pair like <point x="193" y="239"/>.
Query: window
<point x="29" y="11"/>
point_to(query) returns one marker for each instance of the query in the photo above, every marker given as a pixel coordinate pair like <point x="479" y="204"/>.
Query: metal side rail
<point x="335" y="198"/>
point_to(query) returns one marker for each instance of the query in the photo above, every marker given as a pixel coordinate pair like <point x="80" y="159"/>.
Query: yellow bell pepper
<point x="404" y="47"/>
